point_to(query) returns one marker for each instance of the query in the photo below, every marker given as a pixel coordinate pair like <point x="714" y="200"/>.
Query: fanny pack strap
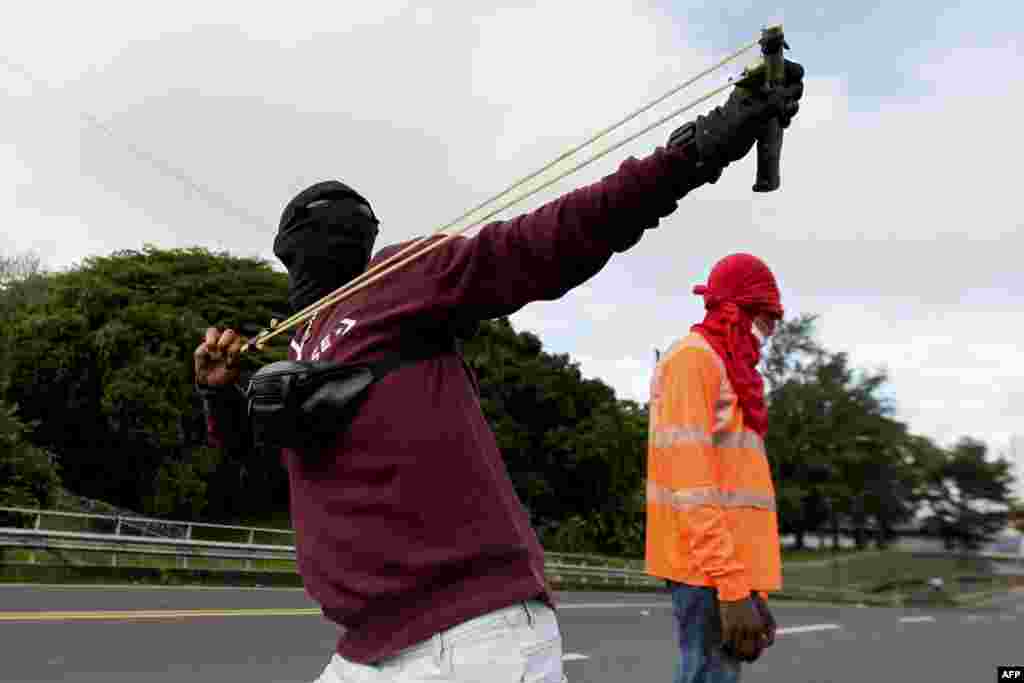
<point x="411" y="350"/>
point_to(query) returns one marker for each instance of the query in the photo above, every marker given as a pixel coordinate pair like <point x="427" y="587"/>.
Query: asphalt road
<point x="122" y="635"/>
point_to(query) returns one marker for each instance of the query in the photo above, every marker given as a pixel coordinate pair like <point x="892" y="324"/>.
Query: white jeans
<point x="517" y="644"/>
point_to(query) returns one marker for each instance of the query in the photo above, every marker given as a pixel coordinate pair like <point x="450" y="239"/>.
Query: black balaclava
<point x="325" y="239"/>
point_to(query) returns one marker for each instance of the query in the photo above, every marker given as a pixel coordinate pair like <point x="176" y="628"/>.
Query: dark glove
<point x="742" y="629"/>
<point x="770" y="626"/>
<point x="727" y="133"/>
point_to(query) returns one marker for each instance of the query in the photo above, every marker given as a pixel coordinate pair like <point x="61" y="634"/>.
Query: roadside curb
<point x="83" y="576"/>
<point x="91" y="574"/>
<point x="981" y="597"/>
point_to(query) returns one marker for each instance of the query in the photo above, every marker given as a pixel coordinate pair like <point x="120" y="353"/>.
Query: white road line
<point x="144" y="587"/>
<point x="610" y="605"/>
<point x="915" y="620"/>
<point x="647" y="605"/>
<point x="807" y="629"/>
<point x="573" y="656"/>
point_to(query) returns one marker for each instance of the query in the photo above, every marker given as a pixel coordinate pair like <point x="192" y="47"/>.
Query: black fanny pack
<point x="305" y="405"/>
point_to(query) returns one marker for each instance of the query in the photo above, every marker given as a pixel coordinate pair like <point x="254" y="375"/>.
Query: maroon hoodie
<point x="410" y="524"/>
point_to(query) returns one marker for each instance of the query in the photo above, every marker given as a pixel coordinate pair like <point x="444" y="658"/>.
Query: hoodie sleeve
<point x="541" y="255"/>
<point x="227" y="426"/>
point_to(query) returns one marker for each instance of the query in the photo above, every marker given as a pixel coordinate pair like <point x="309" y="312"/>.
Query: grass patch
<point x="280" y="519"/>
<point x="85" y="558"/>
<point x="812" y="555"/>
<point x="878" y="571"/>
<point x="585" y="560"/>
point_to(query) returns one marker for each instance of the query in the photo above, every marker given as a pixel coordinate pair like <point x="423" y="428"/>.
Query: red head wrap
<point x="739" y="288"/>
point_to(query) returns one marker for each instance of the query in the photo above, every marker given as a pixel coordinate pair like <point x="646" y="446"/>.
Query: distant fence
<point x="79" y="538"/>
<point x="116" y="536"/>
<point x="123" y="525"/>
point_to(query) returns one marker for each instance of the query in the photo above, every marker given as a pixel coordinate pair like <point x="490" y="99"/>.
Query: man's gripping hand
<point x="216" y="358"/>
<point x="743" y="629"/>
<point x="728" y="132"/>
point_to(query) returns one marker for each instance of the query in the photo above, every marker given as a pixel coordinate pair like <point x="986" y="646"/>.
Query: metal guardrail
<point x="121" y="543"/>
<point x="132" y="535"/>
<point x="145" y="525"/>
<point x="183" y="545"/>
<point x="183" y="550"/>
<point x="30" y="539"/>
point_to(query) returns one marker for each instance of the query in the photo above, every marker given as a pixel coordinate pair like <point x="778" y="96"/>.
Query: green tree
<point x="791" y="354"/>
<point x="788" y="365"/>
<point x="835" y="449"/>
<point x="969" y="495"/>
<point x="575" y="453"/>
<point x="23" y="283"/>
<point x="858" y="439"/>
<point x="29" y="476"/>
<point x="799" y="470"/>
<point x="104" y="364"/>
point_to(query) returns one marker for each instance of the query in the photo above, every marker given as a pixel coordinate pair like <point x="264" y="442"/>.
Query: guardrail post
<point x="188" y="536"/>
<point x="252" y="535"/>
<point x="117" y="532"/>
<point x="38" y="523"/>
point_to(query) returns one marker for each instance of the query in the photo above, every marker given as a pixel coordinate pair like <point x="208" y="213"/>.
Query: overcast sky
<point x="898" y="220"/>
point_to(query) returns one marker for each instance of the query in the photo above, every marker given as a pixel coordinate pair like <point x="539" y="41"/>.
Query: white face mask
<point x="759" y="336"/>
<point x="763" y="328"/>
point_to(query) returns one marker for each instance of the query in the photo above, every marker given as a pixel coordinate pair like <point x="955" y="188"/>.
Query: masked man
<point x="409" y="533"/>
<point x="711" y="526"/>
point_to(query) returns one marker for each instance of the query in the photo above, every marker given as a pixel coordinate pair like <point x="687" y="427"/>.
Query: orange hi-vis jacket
<point x="711" y="517"/>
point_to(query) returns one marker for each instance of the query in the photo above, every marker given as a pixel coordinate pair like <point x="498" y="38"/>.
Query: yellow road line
<point x="154" y="614"/>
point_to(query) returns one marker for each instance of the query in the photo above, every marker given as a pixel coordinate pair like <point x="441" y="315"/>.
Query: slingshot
<point x="472" y="218"/>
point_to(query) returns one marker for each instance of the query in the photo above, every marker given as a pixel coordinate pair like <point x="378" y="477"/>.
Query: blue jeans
<point x="699" y="634"/>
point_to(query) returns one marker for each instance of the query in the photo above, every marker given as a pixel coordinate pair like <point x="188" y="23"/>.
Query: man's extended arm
<point x="541" y="255"/>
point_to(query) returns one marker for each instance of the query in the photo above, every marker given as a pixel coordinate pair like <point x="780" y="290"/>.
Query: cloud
<point x="897" y="222"/>
<point x="903" y="237"/>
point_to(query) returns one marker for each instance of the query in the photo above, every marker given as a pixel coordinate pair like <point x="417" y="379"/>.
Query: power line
<point x="210" y="195"/>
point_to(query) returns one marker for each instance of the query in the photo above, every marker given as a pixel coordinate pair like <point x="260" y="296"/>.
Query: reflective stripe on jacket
<point x="711" y="517"/>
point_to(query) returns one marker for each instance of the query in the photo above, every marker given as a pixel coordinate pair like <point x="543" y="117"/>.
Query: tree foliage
<point x="102" y="365"/>
<point x="969" y="495"/>
<point x="29" y="476"/>
<point x="98" y="360"/>
<point x="839" y="457"/>
<point x="575" y="453"/>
